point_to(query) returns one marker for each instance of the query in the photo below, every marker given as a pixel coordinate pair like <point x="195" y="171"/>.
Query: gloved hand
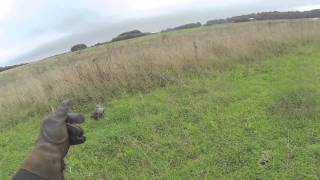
<point x="58" y="132"/>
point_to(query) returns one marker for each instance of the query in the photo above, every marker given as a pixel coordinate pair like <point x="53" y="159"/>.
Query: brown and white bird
<point x="98" y="113"/>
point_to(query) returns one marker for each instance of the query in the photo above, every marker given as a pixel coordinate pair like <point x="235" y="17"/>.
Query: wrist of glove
<point x="58" y="132"/>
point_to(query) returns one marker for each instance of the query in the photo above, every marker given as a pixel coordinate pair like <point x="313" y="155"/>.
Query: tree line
<point x="5" y="68"/>
<point x="275" y="15"/>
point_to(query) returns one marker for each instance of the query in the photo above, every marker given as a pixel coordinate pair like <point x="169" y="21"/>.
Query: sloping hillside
<point x="253" y="121"/>
<point x="230" y="101"/>
<point x="113" y="70"/>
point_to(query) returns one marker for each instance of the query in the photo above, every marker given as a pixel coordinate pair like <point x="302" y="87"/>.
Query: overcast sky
<point x="34" y="29"/>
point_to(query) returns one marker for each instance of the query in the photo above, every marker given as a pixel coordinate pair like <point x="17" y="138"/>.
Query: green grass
<point x="252" y="121"/>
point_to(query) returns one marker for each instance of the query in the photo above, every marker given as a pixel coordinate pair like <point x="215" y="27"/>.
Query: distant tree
<point x="188" y="26"/>
<point x="78" y="47"/>
<point x="129" y="35"/>
<point x="185" y="26"/>
<point x="215" y="21"/>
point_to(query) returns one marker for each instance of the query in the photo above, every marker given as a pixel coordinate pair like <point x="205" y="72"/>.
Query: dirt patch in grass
<point x="265" y="159"/>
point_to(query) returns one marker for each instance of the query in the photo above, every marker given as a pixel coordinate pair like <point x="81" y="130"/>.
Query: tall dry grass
<point x="109" y="70"/>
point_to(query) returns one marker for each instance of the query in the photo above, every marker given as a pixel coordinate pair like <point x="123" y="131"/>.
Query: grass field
<point x="252" y="121"/>
<point x="236" y="101"/>
<point x="140" y="65"/>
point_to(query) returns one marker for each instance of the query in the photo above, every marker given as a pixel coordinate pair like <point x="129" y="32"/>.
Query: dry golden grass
<point x="140" y="64"/>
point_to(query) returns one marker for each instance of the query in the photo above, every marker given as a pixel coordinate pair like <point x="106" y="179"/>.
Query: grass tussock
<point x="300" y="104"/>
<point x="138" y="65"/>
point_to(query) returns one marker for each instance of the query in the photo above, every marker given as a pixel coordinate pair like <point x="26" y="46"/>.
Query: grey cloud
<point x="85" y="26"/>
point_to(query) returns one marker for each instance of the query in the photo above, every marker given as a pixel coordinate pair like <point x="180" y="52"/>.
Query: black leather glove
<point x="58" y="132"/>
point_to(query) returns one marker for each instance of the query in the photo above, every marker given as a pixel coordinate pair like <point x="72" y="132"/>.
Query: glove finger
<point x="54" y="127"/>
<point x="75" y="118"/>
<point x="75" y="134"/>
<point x="62" y="111"/>
<point x="77" y="140"/>
<point x="74" y="130"/>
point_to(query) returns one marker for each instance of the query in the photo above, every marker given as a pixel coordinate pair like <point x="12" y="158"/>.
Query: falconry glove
<point x="58" y="132"/>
